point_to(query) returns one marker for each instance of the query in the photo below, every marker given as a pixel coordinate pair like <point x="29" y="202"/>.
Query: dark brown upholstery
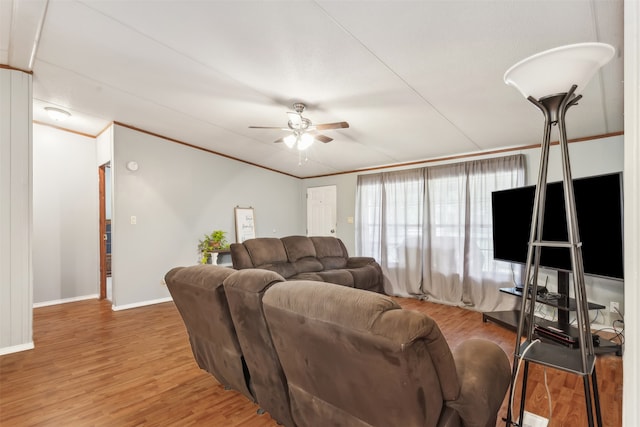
<point x="199" y="296"/>
<point x="354" y="358"/>
<point x="323" y="259"/>
<point x="244" y="290"/>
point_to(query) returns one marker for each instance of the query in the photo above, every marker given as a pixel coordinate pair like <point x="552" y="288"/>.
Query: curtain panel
<point x="431" y="230"/>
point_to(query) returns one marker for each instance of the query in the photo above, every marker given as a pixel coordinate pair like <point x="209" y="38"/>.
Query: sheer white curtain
<point x="389" y="226"/>
<point x="431" y="228"/>
<point x="445" y="232"/>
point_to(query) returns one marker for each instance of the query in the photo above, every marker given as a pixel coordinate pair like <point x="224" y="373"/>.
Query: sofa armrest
<point x="240" y="257"/>
<point x="359" y="261"/>
<point x="484" y="374"/>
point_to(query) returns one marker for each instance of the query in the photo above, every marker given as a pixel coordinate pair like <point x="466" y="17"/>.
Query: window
<point x="430" y="228"/>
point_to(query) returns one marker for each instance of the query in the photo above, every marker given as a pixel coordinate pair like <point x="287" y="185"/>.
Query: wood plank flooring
<point x="92" y="366"/>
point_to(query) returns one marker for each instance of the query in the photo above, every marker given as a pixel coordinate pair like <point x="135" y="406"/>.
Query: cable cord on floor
<point x="515" y="379"/>
<point x="546" y="387"/>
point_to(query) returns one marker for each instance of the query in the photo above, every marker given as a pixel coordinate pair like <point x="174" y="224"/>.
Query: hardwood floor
<point x="566" y="390"/>
<point x="92" y="366"/>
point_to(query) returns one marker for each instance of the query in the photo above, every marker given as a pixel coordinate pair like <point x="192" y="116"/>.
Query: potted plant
<point x="211" y="245"/>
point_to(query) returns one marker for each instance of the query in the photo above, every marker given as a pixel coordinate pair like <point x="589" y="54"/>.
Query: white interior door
<point x="321" y="211"/>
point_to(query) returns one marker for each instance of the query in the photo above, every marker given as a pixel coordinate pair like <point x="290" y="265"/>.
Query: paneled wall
<point x="16" y="278"/>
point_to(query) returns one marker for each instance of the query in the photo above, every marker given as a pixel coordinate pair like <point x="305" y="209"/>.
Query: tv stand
<point x="509" y="319"/>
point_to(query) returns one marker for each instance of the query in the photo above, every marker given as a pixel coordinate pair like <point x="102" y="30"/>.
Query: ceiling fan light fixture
<point x="57" y="114"/>
<point x="305" y="141"/>
<point x="290" y="140"/>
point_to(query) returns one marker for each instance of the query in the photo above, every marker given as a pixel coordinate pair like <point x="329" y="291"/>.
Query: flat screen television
<point x="599" y="208"/>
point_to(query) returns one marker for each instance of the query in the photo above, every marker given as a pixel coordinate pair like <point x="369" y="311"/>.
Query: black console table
<point x="509" y="319"/>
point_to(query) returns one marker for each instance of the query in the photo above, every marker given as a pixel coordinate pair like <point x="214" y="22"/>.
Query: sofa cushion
<point x="307" y="276"/>
<point x="366" y="277"/>
<point x="298" y="247"/>
<point x="266" y="250"/>
<point x="301" y="254"/>
<point x="267" y="253"/>
<point x="307" y="265"/>
<point x="339" y="277"/>
<point x="330" y="252"/>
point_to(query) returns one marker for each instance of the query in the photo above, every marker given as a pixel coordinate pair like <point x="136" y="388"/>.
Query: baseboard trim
<point x="140" y="304"/>
<point x="64" y="300"/>
<point x="16" y="348"/>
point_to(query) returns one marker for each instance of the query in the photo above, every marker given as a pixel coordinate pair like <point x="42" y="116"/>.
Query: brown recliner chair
<point x="199" y="296"/>
<point x="245" y="290"/>
<point x="356" y="358"/>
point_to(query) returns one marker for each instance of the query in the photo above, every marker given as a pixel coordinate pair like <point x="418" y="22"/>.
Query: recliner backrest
<point x="353" y="357"/>
<point x="198" y="293"/>
<point x="245" y="290"/>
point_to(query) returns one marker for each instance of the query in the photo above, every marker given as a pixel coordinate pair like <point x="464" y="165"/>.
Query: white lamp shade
<point x="290" y="140"/>
<point x="305" y="141"/>
<point x="554" y="71"/>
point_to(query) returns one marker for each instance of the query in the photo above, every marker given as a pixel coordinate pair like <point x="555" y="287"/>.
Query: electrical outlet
<point x="614" y="306"/>
<point x="533" y="420"/>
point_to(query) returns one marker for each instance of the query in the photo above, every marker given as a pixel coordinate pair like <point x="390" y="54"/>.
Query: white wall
<point x="104" y="146"/>
<point x="177" y="195"/>
<point x="65" y="216"/>
<point x="16" y="279"/>
<point x="587" y="158"/>
<point x="631" y="367"/>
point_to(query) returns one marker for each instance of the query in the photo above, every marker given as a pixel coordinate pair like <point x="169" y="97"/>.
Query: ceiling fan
<point x="304" y="132"/>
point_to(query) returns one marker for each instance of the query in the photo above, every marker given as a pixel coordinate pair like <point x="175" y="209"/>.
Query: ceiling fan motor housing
<point x="301" y="125"/>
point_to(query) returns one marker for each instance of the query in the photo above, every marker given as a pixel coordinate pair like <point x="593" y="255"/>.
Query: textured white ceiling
<point x="416" y="80"/>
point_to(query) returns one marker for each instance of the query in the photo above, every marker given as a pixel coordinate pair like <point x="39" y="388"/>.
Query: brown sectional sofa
<point x="322" y="259"/>
<point x="322" y="354"/>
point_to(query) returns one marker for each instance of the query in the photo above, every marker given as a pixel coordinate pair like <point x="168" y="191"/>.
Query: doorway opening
<point x="104" y="174"/>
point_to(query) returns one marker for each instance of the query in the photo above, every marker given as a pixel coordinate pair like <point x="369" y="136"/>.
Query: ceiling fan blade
<point x="338" y="125"/>
<point x="268" y="127"/>
<point x="279" y="140"/>
<point x="323" y="138"/>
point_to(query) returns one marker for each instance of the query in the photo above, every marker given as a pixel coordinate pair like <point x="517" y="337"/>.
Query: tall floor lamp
<point x="553" y="80"/>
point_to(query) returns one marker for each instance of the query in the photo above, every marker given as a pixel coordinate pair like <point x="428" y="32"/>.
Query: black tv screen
<point x="599" y="210"/>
